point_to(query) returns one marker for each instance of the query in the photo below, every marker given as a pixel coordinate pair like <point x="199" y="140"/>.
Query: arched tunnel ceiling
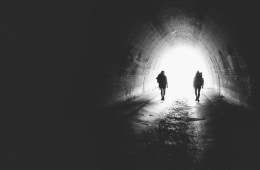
<point x="173" y="25"/>
<point x="99" y="52"/>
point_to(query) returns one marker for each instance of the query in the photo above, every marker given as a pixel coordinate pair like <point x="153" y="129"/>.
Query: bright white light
<point x="180" y="63"/>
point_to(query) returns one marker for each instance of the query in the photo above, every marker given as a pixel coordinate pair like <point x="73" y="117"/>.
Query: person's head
<point x="162" y="72"/>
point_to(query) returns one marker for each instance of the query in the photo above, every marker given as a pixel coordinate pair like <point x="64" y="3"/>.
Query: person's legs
<point x="163" y="93"/>
<point x="199" y="94"/>
<point x="196" y="93"/>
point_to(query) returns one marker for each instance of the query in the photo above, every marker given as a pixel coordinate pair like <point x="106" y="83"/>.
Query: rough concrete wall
<point x="128" y="79"/>
<point x="234" y="83"/>
<point x="229" y="71"/>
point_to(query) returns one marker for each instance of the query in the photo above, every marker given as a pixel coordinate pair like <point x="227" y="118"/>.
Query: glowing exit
<point x="180" y="63"/>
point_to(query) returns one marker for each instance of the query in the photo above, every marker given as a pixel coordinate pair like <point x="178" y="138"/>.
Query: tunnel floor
<point x="180" y="133"/>
<point x="144" y="133"/>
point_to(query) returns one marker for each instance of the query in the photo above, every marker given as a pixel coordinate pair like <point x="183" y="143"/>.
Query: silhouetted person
<point x="198" y="83"/>
<point x="162" y="81"/>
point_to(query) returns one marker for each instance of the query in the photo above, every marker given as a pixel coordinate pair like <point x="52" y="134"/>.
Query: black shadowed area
<point x="79" y="91"/>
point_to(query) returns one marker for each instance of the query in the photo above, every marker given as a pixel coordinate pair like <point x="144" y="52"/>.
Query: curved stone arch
<point x="144" y="48"/>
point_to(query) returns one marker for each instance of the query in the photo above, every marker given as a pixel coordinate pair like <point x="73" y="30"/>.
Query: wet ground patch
<point x="169" y="143"/>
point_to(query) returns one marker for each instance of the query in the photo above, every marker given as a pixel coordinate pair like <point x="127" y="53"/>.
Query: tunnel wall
<point x="130" y="77"/>
<point x="229" y="70"/>
<point x="66" y="57"/>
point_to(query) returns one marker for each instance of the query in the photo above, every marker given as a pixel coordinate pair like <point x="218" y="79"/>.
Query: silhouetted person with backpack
<point x="198" y="83"/>
<point x="162" y="81"/>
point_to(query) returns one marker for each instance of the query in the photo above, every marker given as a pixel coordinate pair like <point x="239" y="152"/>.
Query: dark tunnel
<point x="227" y="67"/>
<point x="70" y="70"/>
<point x="131" y="64"/>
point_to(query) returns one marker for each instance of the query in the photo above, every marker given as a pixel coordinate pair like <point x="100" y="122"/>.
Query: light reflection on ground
<point x="168" y="131"/>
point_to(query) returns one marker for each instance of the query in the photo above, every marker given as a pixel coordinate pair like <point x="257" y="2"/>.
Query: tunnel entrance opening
<point x="180" y="63"/>
<point x="179" y="42"/>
